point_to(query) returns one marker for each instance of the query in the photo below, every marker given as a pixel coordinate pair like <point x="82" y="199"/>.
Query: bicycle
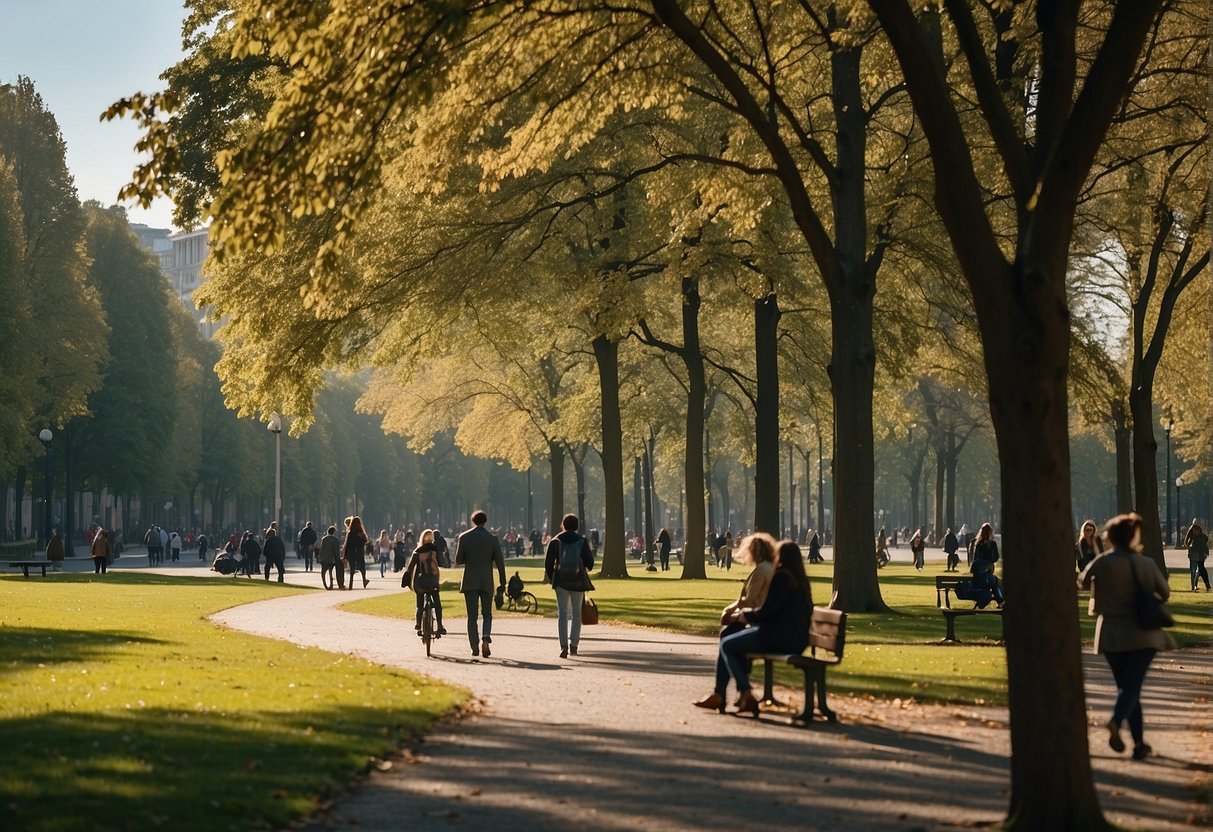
<point x="882" y="558"/>
<point x="523" y="602"/>
<point x="429" y="631"/>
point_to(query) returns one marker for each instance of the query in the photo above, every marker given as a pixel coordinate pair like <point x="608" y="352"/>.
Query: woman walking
<point x="354" y="551"/>
<point x="1089" y="545"/>
<point x="918" y="547"/>
<point x="100" y="552"/>
<point x="1116" y="579"/>
<point x="383" y="552"/>
<point x="567" y="567"/>
<point x="1197" y="544"/>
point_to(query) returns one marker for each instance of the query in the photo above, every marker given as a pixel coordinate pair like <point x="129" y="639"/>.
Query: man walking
<point x="477" y="550"/>
<point x="307" y="543"/>
<point x="275" y="554"/>
<point x="330" y="558"/>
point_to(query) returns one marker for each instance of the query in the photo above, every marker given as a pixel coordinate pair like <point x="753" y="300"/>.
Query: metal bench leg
<point x="820" y="673"/>
<point x="806" y="713"/>
<point x="25" y="570"/>
<point x="768" y="684"/>
<point x="950" y="638"/>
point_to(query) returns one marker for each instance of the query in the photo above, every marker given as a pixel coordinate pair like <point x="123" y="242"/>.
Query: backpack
<point x="425" y="579"/>
<point x="570" y="566"/>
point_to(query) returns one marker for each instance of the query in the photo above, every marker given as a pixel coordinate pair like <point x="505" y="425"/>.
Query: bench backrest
<point x="943" y="588"/>
<point x="827" y="632"/>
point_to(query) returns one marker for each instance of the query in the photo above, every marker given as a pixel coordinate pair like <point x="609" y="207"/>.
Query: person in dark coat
<point x="251" y="550"/>
<point x="663" y="549"/>
<point x="570" y="585"/>
<point x="951" y="544"/>
<point x="54" y="551"/>
<point x="307" y="545"/>
<point x="478" y="550"/>
<point x="985" y="555"/>
<point x="815" y="548"/>
<point x="780" y="625"/>
<point x="275" y="554"/>
<point x="353" y="552"/>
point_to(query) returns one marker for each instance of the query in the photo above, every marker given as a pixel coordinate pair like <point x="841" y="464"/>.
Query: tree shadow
<point x="24" y="647"/>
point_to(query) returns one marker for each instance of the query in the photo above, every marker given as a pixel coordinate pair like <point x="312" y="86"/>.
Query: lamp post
<point x="1179" y="511"/>
<point x="45" y="436"/>
<point x="530" y="503"/>
<point x="1167" y="428"/>
<point x="275" y="427"/>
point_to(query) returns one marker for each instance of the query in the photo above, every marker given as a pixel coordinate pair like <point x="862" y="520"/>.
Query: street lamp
<point x="1179" y="511"/>
<point x="45" y="436"/>
<point x="1167" y="428"/>
<point x="275" y="427"/>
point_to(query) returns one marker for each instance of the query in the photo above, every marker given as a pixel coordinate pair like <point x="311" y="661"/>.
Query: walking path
<point x="608" y="740"/>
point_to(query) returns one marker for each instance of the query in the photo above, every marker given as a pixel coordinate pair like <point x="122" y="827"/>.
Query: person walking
<point x="567" y="568"/>
<point x="329" y="555"/>
<point x="477" y="550"/>
<point x="664" y="545"/>
<point x="164" y="540"/>
<point x="1197" y="544"/>
<point x="444" y="551"/>
<point x="354" y="551"/>
<point x="815" y="547"/>
<point x="780" y="625"/>
<point x="307" y="545"/>
<point x="951" y="544"/>
<point x="383" y="552"/>
<point x="203" y="547"/>
<point x="100" y="551"/>
<point x="422" y="575"/>
<point x="174" y="545"/>
<point x="54" y="551"/>
<point x="251" y="550"/>
<point x="1116" y="579"/>
<point x="1088" y="546"/>
<point x="918" y="548"/>
<point x="275" y="554"/>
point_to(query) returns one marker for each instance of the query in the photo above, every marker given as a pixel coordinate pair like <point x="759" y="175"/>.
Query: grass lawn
<point x="122" y="708"/>
<point x="888" y="655"/>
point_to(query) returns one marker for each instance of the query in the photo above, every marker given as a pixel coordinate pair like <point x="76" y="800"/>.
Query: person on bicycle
<point x="514" y="588"/>
<point x="422" y="575"/>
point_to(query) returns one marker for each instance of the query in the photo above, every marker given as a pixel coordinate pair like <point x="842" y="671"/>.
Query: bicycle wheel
<point x="427" y="627"/>
<point x="527" y="603"/>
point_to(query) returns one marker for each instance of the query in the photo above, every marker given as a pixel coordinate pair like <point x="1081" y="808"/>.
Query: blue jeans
<point x="1197" y="568"/>
<point x="565" y="598"/>
<point x="1129" y="670"/>
<point x="485" y="602"/>
<point x="732" y="653"/>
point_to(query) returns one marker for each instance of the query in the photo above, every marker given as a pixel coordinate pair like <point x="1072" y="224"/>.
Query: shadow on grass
<point x="23" y="647"/>
<point x="186" y="770"/>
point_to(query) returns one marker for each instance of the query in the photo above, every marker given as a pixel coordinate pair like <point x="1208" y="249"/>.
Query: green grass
<point x="123" y="708"/>
<point x="890" y="655"/>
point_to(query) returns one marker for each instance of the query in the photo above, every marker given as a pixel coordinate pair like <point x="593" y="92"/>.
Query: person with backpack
<point x="423" y="577"/>
<point x="567" y="567"/>
<point x="1197" y="544"/>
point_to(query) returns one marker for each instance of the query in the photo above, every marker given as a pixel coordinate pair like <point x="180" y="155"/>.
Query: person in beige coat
<point x="1114" y="579"/>
<point x="759" y="550"/>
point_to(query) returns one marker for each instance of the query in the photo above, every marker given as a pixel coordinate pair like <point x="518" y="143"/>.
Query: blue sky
<point x="82" y="56"/>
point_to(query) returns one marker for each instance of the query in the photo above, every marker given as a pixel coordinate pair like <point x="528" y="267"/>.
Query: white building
<point x="181" y="256"/>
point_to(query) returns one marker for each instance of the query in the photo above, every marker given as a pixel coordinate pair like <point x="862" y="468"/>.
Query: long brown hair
<point x="356" y="527"/>
<point x="789" y="559"/>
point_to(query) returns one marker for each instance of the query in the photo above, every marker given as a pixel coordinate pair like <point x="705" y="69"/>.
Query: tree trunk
<point x="940" y="477"/>
<point x="637" y="491"/>
<point x="556" y="500"/>
<point x="707" y="467"/>
<point x="579" y="473"/>
<point x="766" y="415"/>
<point x="614" y="554"/>
<point x="950" y="461"/>
<point x="1124" y="477"/>
<point x="694" y="564"/>
<point x="20" y="531"/>
<point x="649" y="532"/>
<point x="1145" y="476"/>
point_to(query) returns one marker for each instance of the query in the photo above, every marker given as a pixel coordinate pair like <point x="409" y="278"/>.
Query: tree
<point x="1019" y="294"/>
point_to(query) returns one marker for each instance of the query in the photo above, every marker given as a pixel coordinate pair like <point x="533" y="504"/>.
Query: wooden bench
<point x="944" y="587"/>
<point x="827" y="637"/>
<point x="26" y="564"/>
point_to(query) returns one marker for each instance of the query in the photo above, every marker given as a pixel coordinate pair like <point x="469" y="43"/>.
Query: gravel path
<point x="608" y="740"/>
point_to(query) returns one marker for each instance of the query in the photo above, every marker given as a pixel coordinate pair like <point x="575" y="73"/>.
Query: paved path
<point x="608" y="740"/>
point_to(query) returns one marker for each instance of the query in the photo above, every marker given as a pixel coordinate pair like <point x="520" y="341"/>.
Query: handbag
<point x="589" y="611"/>
<point x="1152" y="614"/>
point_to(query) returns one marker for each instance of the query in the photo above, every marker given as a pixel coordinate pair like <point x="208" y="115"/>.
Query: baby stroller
<point x="227" y="564"/>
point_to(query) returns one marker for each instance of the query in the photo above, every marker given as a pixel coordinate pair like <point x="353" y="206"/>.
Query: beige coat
<point x="754" y="590"/>
<point x="1113" y="579"/>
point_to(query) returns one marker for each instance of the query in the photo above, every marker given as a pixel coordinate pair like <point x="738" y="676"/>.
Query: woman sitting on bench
<point x="780" y="625"/>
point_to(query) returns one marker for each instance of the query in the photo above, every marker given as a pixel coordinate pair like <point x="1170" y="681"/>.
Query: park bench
<point x="26" y="564"/>
<point x="944" y="587"/>
<point x="827" y="636"/>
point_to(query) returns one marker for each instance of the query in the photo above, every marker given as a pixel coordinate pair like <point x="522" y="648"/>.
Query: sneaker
<point x="1114" y="740"/>
<point x="441" y="630"/>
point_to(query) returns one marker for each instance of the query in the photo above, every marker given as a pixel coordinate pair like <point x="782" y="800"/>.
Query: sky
<point x="82" y="56"/>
